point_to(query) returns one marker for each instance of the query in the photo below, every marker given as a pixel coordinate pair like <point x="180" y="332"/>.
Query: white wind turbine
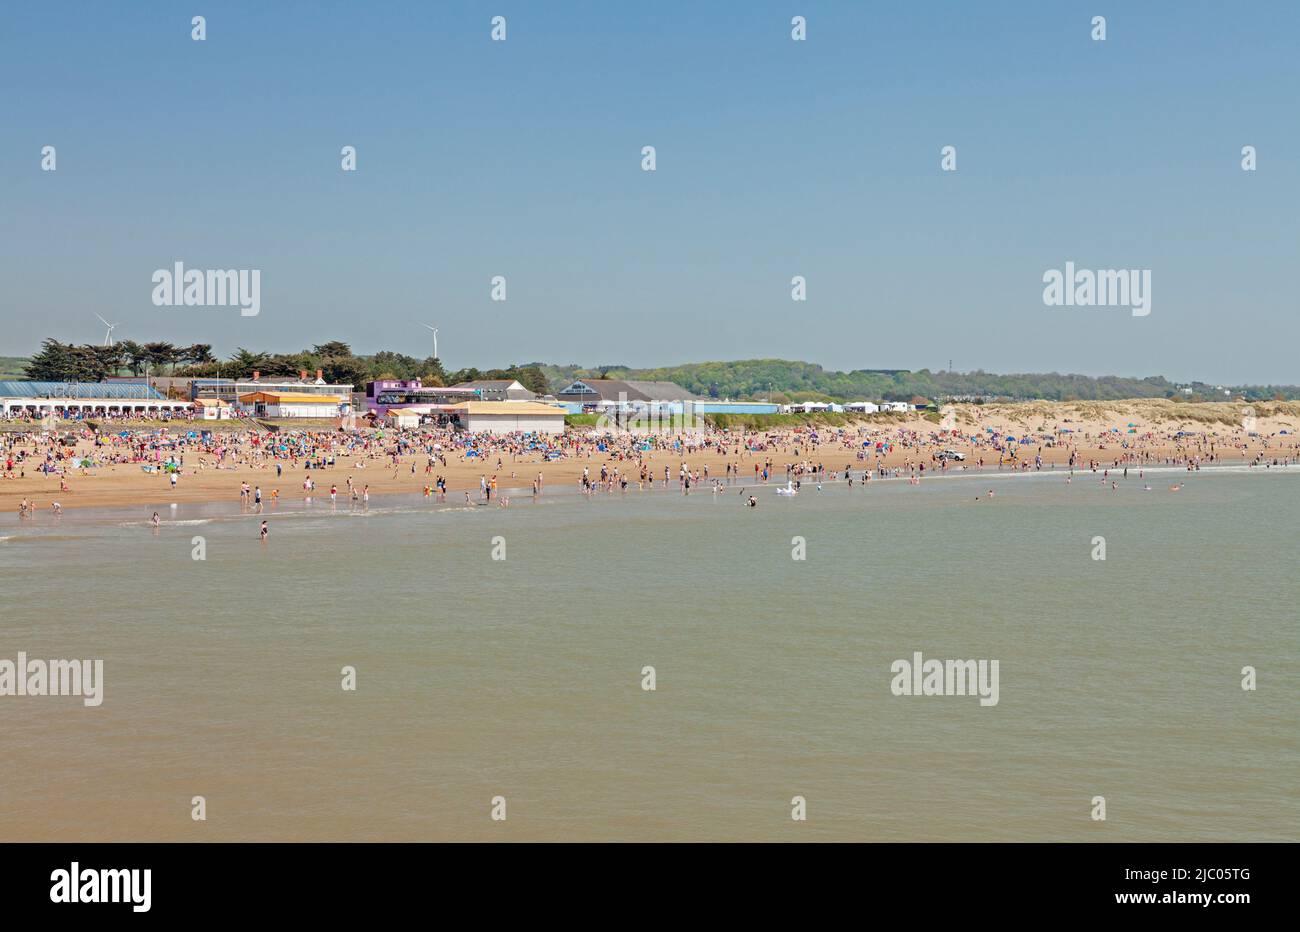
<point x="435" y="338"/>
<point x="108" y="337"/>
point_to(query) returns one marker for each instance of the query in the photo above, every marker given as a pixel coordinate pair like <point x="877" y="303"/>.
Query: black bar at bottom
<point x="642" y="882"/>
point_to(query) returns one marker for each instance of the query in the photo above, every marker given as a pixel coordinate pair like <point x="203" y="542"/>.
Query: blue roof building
<point x="76" y="399"/>
<point x="88" y="390"/>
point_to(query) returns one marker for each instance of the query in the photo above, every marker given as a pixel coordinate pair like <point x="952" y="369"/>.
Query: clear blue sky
<point x="775" y="158"/>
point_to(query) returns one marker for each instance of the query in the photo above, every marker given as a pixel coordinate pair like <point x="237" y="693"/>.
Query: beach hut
<point x="214" y="409"/>
<point x="403" y="418"/>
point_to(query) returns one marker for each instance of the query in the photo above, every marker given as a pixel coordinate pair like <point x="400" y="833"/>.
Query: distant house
<point x="920" y="404"/>
<point x="498" y="390"/>
<point x="593" y="393"/>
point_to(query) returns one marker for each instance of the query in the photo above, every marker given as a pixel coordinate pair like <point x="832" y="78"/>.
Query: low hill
<point x="804" y="381"/>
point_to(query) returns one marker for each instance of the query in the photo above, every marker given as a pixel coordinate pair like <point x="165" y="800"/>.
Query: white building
<point x="505" y="417"/>
<point x="402" y="418"/>
<point x="293" y="404"/>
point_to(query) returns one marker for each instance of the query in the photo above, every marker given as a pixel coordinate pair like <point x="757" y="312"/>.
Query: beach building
<point x="383" y="395"/>
<point x="402" y="418"/>
<point x="862" y="407"/>
<point x="505" y="417"/>
<point x="231" y="389"/>
<point x="214" y="409"/>
<point x="735" y="407"/>
<point x="498" y="390"/>
<point x="277" y="404"/>
<point x="85" y="399"/>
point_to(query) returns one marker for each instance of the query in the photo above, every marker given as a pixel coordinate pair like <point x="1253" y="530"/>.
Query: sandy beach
<point x="1105" y="433"/>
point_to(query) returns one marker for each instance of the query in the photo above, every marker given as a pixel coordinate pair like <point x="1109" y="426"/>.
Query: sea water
<point x="503" y="653"/>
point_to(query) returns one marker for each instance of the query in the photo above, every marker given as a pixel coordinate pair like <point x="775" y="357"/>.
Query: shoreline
<point x="391" y="500"/>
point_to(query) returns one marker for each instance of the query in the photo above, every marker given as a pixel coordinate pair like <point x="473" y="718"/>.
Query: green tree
<point x="331" y="349"/>
<point x="52" y="364"/>
<point x="244" y="363"/>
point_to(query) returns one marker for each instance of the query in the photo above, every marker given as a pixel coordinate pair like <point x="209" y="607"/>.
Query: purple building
<point x="383" y="394"/>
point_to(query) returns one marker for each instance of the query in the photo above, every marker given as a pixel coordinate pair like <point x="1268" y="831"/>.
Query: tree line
<point x="338" y="364"/>
<point x="66" y="362"/>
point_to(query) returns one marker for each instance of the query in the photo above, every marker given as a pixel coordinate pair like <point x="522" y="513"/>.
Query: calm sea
<point x="522" y="677"/>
